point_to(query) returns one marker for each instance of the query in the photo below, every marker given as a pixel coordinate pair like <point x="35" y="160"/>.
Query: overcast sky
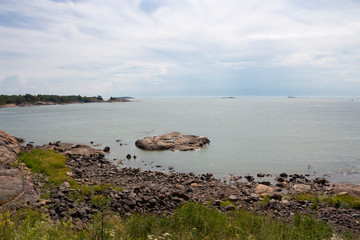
<point x="164" y="48"/>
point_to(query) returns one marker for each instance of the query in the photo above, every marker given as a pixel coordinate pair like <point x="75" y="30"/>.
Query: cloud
<point x="136" y="43"/>
<point x="13" y="84"/>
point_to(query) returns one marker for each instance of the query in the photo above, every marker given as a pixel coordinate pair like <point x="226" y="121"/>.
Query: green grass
<point x="190" y="221"/>
<point x="342" y="201"/>
<point x="49" y="163"/>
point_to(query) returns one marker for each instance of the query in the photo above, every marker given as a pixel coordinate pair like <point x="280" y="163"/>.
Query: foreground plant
<point x="190" y="221"/>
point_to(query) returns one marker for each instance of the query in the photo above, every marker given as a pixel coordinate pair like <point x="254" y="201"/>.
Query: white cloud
<point x="136" y="42"/>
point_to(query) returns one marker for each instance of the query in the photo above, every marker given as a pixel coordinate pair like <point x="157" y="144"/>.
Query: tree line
<point x="18" y="99"/>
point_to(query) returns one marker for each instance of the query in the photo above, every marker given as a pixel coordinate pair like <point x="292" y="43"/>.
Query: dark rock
<point x="229" y="207"/>
<point x="280" y="179"/>
<point x="128" y="156"/>
<point x="249" y="178"/>
<point x="283" y="175"/>
<point x="320" y="181"/>
<point x="261" y="175"/>
<point x="267" y="183"/>
<point x="106" y="149"/>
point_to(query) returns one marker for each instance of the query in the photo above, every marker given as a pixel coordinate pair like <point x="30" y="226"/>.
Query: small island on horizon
<point x="29" y="100"/>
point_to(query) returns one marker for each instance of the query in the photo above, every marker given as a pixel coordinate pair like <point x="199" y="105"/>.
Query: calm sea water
<point x="248" y="135"/>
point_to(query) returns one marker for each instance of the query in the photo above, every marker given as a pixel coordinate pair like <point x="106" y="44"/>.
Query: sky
<point x="172" y="48"/>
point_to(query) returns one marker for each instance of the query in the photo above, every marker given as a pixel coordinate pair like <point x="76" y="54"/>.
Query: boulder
<point x="302" y="188"/>
<point x="261" y="189"/>
<point x="174" y="141"/>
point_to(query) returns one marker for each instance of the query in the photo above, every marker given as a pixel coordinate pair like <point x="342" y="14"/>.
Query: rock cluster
<point x="158" y="192"/>
<point x="74" y="150"/>
<point x="173" y="141"/>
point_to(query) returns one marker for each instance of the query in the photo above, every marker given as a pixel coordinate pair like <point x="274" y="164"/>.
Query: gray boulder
<point x="173" y="141"/>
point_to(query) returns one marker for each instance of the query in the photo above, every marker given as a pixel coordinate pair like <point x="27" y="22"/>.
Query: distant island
<point x="120" y="99"/>
<point x="36" y="100"/>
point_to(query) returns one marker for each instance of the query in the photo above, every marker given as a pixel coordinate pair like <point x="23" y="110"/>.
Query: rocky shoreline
<point x="158" y="192"/>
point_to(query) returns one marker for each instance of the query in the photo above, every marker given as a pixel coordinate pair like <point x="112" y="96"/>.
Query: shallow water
<point x="248" y="135"/>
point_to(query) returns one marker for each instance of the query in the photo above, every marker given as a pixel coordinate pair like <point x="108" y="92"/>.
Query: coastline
<point x="158" y="192"/>
<point x="27" y="104"/>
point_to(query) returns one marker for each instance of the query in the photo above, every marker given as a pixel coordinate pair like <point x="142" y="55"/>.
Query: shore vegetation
<point x="33" y="99"/>
<point x="190" y="221"/>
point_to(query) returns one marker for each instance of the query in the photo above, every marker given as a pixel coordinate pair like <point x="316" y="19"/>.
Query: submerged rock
<point x="174" y="141"/>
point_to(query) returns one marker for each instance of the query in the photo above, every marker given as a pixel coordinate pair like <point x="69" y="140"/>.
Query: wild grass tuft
<point x="342" y="201"/>
<point x="48" y="163"/>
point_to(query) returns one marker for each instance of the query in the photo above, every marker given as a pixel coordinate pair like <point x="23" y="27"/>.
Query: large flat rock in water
<point x="174" y="141"/>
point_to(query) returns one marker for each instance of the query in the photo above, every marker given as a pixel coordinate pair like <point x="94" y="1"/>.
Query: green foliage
<point x="342" y="201"/>
<point x="100" y="201"/>
<point x="18" y="99"/>
<point x="49" y="163"/>
<point x="266" y="199"/>
<point x="190" y="221"/>
<point x="225" y="203"/>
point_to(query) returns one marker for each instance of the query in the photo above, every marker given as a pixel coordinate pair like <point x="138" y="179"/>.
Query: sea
<point x="249" y="135"/>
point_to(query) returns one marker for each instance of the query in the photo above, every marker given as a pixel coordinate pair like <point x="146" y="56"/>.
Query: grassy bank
<point x="191" y="221"/>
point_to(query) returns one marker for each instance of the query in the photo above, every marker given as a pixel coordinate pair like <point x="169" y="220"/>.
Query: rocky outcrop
<point x="16" y="189"/>
<point x="174" y="141"/>
<point x="9" y="148"/>
<point x="69" y="149"/>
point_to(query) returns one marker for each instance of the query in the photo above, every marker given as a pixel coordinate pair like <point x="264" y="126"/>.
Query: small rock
<point x="302" y="188"/>
<point x="128" y="156"/>
<point x="106" y="149"/>
<point x="285" y="202"/>
<point x="261" y="175"/>
<point x="232" y="198"/>
<point x="283" y="175"/>
<point x="249" y="178"/>
<point x="229" y="207"/>
<point x="280" y="179"/>
<point x="320" y="181"/>
<point x="267" y="183"/>
<point x="342" y="193"/>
